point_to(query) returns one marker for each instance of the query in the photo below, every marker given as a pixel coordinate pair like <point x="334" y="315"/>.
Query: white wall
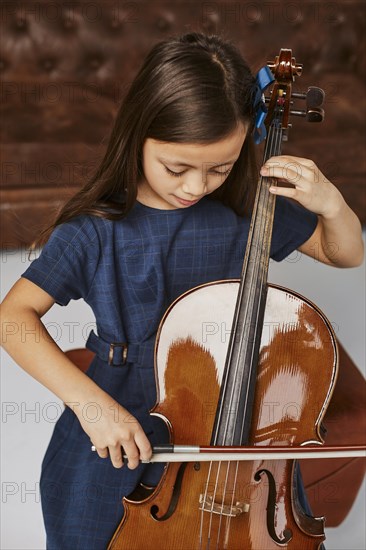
<point x="29" y="410"/>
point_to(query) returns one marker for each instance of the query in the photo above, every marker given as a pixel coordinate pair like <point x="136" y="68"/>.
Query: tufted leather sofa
<point x="66" y="65"/>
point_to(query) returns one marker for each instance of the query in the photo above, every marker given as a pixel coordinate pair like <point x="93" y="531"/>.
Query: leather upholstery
<point x="66" y="65"/>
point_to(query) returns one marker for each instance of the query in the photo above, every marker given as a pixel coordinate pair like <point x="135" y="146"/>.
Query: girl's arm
<point x="28" y="342"/>
<point x="337" y="239"/>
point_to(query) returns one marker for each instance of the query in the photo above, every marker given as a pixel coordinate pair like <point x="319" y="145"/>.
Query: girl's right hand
<point x="114" y="431"/>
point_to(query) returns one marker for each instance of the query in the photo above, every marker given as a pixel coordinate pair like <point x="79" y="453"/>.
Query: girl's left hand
<point x="311" y="188"/>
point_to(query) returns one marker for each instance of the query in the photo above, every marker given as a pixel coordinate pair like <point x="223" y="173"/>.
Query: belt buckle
<point x="114" y="345"/>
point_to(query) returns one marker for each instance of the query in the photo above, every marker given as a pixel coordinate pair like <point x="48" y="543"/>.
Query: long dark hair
<point x="191" y="89"/>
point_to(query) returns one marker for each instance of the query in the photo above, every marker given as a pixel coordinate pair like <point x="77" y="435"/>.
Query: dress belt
<point x="118" y="354"/>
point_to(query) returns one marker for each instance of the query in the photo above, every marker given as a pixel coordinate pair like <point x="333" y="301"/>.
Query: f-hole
<point x="175" y="496"/>
<point x="271" y="509"/>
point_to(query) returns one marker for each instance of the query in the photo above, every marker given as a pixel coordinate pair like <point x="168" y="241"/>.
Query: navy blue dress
<point x="129" y="272"/>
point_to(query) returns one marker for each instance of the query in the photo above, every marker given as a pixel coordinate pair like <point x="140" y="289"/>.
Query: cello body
<point x="234" y="505"/>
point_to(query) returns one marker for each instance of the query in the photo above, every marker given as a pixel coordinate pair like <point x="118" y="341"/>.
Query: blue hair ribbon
<point x="263" y="79"/>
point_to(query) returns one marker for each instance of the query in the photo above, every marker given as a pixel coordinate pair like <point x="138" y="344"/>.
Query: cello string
<point x="218" y="464"/>
<point x="273" y="144"/>
<point x="268" y="198"/>
<point x="228" y="520"/>
<point x="223" y="502"/>
<point x="234" y="332"/>
<point x="228" y="466"/>
<point x="255" y="277"/>
<point x="244" y="336"/>
<point x="259" y="273"/>
<point x="268" y="146"/>
<point x="203" y="503"/>
<point x="214" y="499"/>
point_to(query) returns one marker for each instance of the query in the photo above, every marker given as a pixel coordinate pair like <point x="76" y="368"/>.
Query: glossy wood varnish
<point x="296" y="373"/>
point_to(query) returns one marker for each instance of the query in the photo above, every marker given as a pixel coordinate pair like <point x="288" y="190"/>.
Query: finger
<point x="289" y="192"/>
<point x="115" y="453"/>
<point x="144" y="446"/>
<point x="295" y="174"/>
<point x="103" y="453"/>
<point x="284" y="159"/>
<point x="280" y="182"/>
<point x="132" y="454"/>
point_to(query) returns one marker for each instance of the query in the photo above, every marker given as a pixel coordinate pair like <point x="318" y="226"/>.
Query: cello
<point x="267" y="385"/>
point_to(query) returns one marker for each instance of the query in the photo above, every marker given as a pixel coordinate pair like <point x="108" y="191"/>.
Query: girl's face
<point x="178" y="175"/>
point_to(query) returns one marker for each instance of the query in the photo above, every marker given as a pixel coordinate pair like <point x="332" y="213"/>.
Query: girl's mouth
<point x="185" y="202"/>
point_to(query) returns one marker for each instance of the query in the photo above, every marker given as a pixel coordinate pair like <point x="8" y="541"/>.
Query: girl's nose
<point x="195" y="184"/>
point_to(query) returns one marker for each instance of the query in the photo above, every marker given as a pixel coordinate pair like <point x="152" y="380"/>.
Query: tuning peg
<point x="299" y="95"/>
<point x="315" y="114"/>
<point x="314" y="97"/>
<point x="298" y="113"/>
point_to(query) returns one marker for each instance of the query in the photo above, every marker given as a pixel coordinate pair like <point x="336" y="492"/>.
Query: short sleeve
<point x="293" y="225"/>
<point x="67" y="264"/>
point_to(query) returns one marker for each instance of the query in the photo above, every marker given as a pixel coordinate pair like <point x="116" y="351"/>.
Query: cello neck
<point x="233" y="415"/>
<point x="256" y="260"/>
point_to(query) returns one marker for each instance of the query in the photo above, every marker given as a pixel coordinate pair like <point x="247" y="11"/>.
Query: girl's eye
<point x="177" y="174"/>
<point x="224" y="173"/>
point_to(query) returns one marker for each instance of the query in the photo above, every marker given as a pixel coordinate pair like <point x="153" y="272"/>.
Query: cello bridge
<point x="207" y="504"/>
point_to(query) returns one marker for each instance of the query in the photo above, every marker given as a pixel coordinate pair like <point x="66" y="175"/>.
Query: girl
<point x="167" y="210"/>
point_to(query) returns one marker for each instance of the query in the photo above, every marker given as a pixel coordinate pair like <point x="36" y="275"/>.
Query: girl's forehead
<point x="225" y="150"/>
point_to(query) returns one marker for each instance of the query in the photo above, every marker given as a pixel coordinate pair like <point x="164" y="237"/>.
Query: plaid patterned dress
<point x="129" y="272"/>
